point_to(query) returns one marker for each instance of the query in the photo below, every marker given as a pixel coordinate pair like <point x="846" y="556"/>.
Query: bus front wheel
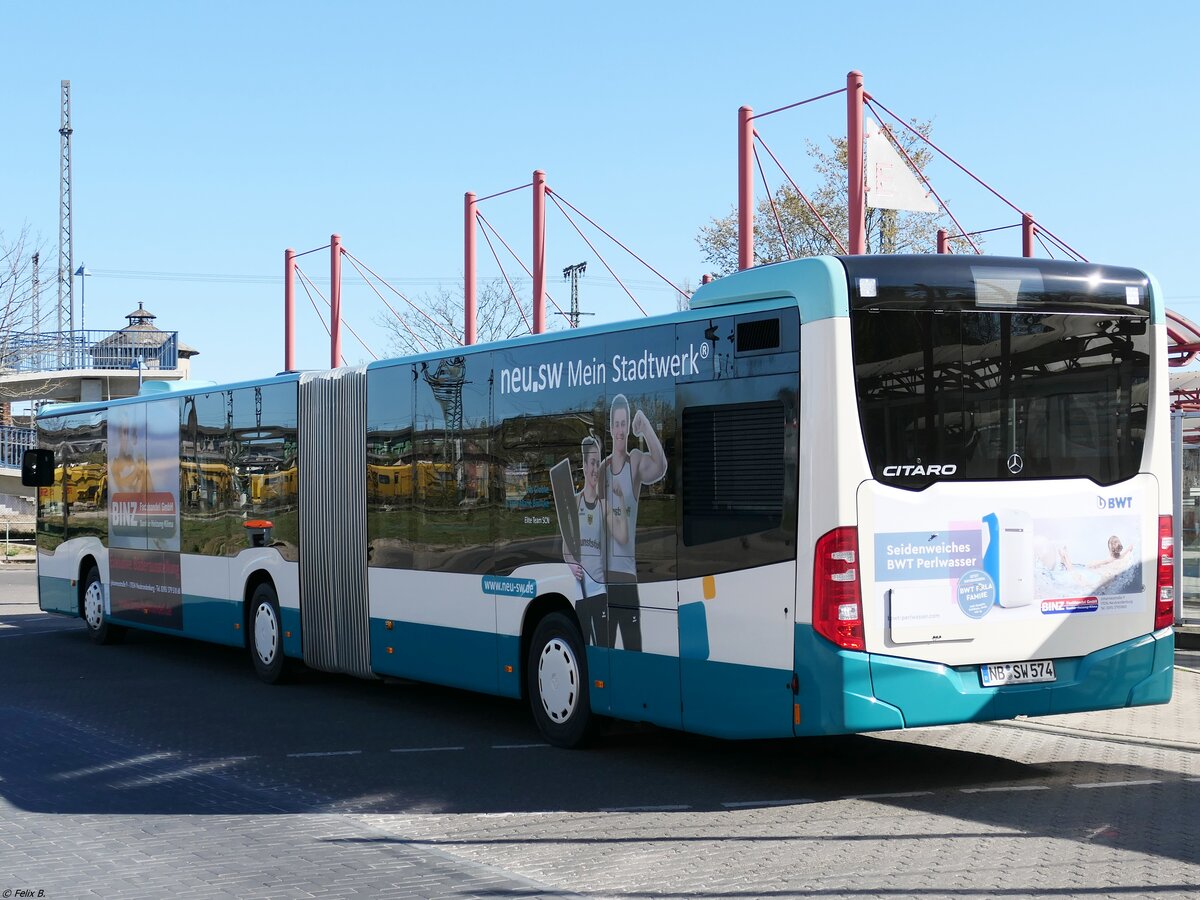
<point x="92" y="606"/>
<point x="266" y="635"/>
<point x="558" y="682"/>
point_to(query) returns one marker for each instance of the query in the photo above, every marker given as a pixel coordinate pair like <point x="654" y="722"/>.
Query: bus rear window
<point x="982" y="395"/>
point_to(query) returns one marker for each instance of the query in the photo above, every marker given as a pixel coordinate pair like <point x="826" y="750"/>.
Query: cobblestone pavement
<point x="98" y="799"/>
<point x="1107" y="805"/>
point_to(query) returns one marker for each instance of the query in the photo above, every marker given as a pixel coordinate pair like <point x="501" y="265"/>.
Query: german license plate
<point x="999" y="674"/>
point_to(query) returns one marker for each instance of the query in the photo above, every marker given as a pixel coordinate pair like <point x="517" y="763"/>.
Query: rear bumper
<point x="884" y="692"/>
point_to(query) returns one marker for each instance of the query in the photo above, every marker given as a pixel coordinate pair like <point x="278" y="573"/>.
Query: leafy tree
<point x="888" y="230"/>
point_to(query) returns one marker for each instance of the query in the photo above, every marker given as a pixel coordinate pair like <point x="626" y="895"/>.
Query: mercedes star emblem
<point x="1016" y="464"/>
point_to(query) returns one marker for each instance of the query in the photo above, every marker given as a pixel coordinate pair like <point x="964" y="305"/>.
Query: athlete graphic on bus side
<point x="596" y="523"/>
<point x="625" y="472"/>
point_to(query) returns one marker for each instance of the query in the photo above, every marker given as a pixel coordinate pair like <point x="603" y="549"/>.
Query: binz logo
<point x="1114" y="503"/>
<point x="918" y="469"/>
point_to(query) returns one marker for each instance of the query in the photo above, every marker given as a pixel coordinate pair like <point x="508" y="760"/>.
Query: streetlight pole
<point x="83" y="274"/>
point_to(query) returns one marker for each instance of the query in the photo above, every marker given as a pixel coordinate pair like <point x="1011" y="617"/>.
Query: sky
<point x="208" y="138"/>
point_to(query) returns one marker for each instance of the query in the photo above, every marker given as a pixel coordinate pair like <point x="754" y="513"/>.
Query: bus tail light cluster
<point x="1164" y="606"/>
<point x="837" y="593"/>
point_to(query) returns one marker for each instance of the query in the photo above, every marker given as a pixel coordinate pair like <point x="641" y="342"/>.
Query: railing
<point x="88" y="349"/>
<point x="13" y="443"/>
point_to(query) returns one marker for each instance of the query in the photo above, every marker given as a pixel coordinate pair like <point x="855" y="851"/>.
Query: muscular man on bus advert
<point x="595" y="524"/>
<point x="625" y="472"/>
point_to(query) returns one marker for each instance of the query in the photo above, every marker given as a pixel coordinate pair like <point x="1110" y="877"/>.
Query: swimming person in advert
<point x="1117" y="571"/>
<point x="625" y="472"/>
<point x="1116" y="552"/>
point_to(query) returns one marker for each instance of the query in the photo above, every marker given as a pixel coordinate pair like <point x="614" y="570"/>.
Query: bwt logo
<point x="1114" y="503"/>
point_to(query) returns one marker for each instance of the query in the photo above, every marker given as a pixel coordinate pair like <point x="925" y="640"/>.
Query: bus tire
<point x="266" y="635"/>
<point x="558" y="682"/>
<point x="91" y="606"/>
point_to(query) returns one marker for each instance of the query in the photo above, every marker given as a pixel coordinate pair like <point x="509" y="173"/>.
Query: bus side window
<point x="738" y="474"/>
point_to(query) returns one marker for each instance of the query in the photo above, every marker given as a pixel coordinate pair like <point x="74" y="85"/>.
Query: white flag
<point x="890" y="182"/>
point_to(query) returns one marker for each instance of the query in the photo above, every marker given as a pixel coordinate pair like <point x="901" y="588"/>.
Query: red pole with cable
<point x="745" y="188"/>
<point x="539" y="251"/>
<point x="289" y="310"/>
<point x="854" y="164"/>
<point x="1027" y="233"/>
<point x="943" y="243"/>
<point x="335" y="301"/>
<point x="469" y="298"/>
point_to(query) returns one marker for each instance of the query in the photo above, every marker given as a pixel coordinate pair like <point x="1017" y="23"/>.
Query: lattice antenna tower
<point x="66" y="292"/>
<point x="573" y="274"/>
<point x="37" y="307"/>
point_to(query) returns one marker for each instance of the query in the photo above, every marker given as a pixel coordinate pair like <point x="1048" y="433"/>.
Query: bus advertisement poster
<point x="145" y="587"/>
<point x="1008" y="564"/>
<point x="143" y="465"/>
<point x="143" y="476"/>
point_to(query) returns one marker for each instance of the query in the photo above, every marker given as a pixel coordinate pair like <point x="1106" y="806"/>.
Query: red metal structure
<point x="856" y="184"/>
<point x="745" y="188"/>
<point x="335" y="301"/>
<point x="1185" y="339"/>
<point x="469" y="296"/>
<point x="1184" y="335"/>
<point x="539" y="251"/>
<point x="289" y="310"/>
<point x="857" y="102"/>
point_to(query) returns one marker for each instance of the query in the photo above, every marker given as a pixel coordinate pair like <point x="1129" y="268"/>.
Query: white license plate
<point x="1018" y="673"/>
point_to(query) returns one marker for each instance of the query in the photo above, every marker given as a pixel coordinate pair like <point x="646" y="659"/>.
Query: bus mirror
<point x="37" y="468"/>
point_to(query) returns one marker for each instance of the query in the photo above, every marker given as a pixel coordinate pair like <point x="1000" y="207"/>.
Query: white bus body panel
<point x="832" y="459"/>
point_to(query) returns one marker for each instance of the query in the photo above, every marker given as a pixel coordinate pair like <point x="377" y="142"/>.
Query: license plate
<point x="1018" y="673"/>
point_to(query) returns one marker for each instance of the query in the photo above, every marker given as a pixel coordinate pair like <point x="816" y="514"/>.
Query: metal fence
<point x="1185" y="452"/>
<point x="88" y="349"/>
<point x="13" y="443"/>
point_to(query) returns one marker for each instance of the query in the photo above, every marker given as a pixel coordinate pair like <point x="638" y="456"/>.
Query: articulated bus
<point x="835" y="495"/>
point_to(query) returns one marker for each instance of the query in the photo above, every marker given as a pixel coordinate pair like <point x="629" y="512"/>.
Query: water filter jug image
<point x="1008" y="557"/>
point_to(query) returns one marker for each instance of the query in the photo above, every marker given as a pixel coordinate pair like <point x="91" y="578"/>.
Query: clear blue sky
<point x="210" y="137"/>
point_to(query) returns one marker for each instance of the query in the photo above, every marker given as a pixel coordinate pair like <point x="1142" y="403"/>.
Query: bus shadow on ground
<point x="162" y="725"/>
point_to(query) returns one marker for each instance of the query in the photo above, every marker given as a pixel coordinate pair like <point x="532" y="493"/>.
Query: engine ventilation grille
<point x="761" y="334"/>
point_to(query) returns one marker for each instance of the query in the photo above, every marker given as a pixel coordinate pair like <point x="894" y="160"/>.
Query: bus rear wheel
<point x="266" y="635"/>
<point x="92" y="607"/>
<point x="558" y="683"/>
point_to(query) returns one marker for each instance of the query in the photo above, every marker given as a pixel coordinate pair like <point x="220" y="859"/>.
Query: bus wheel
<point x="558" y="685"/>
<point x="266" y="635"/>
<point x="100" y="631"/>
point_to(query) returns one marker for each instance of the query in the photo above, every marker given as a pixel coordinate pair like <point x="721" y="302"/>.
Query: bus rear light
<point x="1164" y="607"/>
<point x="837" y="596"/>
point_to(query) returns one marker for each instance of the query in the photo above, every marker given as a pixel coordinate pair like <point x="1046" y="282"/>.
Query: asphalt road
<point x="162" y="766"/>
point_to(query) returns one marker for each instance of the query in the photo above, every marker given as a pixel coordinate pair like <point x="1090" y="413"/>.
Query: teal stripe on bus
<point x="818" y="285"/>
<point x="844" y="691"/>
<point x="457" y="657"/>
<point x="728" y="700"/>
<point x="58" y="595"/>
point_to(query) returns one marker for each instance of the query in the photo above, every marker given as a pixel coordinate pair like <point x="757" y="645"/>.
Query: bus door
<point x="737" y="553"/>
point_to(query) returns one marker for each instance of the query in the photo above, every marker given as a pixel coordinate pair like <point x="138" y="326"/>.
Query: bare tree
<point x="497" y="318"/>
<point x="16" y="283"/>
<point x="16" y="313"/>
<point x="799" y="232"/>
